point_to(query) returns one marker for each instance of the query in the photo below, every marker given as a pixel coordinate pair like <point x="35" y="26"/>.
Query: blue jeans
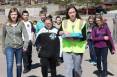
<point x="72" y="64"/>
<point x="10" y="52"/>
<point x="92" y="50"/>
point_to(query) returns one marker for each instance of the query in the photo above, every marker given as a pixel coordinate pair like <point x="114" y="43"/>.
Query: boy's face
<point x="42" y="16"/>
<point x="25" y="16"/>
<point x="48" y="23"/>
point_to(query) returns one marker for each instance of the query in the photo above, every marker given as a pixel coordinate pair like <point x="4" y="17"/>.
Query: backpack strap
<point x="32" y="27"/>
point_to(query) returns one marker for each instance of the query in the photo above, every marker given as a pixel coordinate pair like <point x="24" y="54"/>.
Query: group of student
<point x="69" y="36"/>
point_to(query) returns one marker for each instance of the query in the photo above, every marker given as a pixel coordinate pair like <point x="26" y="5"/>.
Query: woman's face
<point x="72" y="13"/>
<point x="91" y="21"/>
<point x="48" y="23"/>
<point x="14" y="16"/>
<point x="98" y="21"/>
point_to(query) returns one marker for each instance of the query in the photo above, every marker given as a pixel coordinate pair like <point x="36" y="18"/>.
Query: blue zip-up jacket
<point x="40" y="24"/>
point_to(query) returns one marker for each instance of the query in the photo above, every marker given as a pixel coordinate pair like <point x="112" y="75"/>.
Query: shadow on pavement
<point x="96" y="72"/>
<point x="59" y="75"/>
<point x="88" y="60"/>
<point x="108" y="73"/>
<point x="33" y="76"/>
<point x="36" y="65"/>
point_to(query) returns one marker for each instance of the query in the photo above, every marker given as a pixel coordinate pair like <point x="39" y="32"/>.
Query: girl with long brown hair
<point x="13" y="44"/>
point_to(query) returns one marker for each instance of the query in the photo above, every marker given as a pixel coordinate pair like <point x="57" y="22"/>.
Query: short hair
<point x="48" y="18"/>
<point x="58" y="17"/>
<point x="42" y="12"/>
<point x="14" y="10"/>
<point x="25" y="11"/>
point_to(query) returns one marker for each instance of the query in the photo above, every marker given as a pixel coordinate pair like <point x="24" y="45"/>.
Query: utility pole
<point x="19" y="3"/>
<point x="73" y="2"/>
<point x="87" y="7"/>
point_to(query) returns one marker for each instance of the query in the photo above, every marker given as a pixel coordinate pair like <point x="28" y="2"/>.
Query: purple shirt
<point x="98" y="34"/>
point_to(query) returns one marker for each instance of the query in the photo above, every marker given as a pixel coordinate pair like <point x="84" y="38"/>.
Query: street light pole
<point x="73" y="1"/>
<point x="87" y="8"/>
<point x="19" y="3"/>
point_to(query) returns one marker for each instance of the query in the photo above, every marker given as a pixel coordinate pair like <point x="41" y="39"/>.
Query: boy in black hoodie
<point x="48" y="42"/>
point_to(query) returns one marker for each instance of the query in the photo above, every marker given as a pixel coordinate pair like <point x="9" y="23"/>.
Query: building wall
<point x="110" y="0"/>
<point x="27" y="1"/>
<point x="2" y="1"/>
<point x="42" y="0"/>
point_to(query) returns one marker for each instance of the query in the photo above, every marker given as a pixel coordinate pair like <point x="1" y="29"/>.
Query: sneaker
<point x="93" y="63"/>
<point x="49" y="70"/>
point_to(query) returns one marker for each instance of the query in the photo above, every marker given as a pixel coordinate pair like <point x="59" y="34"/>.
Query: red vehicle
<point x="90" y="10"/>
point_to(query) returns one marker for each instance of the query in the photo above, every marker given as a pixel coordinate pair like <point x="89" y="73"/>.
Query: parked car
<point x="100" y="9"/>
<point x="92" y="10"/>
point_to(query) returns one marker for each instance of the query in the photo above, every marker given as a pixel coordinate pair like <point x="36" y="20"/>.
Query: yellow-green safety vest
<point x="74" y="46"/>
